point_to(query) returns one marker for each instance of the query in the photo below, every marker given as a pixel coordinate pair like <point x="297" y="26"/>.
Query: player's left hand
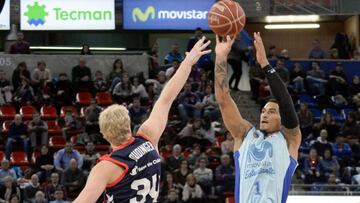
<point x="197" y="51"/>
<point x="260" y="50"/>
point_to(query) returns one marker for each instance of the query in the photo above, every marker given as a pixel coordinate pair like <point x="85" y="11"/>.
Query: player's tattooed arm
<point x="292" y="132"/>
<point x="221" y="76"/>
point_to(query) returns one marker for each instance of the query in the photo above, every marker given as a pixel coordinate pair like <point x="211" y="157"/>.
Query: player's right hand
<point x="223" y="46"/>
<point x="197" y="51"/>
<point x="260" y="50"/>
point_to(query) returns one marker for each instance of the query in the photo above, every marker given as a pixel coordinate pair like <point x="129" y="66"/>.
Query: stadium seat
<point x="103" y="98"/>
<point x="18" y="158"/>
<point x="316" y="113"/>
<point x="53" y="128"/>
<point x="5" y="127"/>
<point x="83" y="98"/>
<point x="57" y="142"/>
<point x="346" y="111"/>
<point x="8" y="112"/>
<point x="64" y="108"/>
<point x="27" y="111"/>
<point x="311" y="102"/>
<point x="48" y="113"/>
<point x="337" y="115"/>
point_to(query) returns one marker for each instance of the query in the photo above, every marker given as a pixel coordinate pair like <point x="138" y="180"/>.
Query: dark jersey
<point x="141" y="179"/>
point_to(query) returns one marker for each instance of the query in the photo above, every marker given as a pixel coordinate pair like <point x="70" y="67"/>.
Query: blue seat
<point x="310" y="101"/>
<point x="316" y="113"/>
<point x="336" y="114"/>
<point x="347" y="110"/>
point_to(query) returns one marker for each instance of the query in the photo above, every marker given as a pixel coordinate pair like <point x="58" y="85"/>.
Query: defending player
<point x="265" y="159"/>
<point x="131" y="172"/>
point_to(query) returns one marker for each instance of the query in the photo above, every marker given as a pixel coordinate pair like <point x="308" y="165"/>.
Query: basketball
<point x="226" y="17"/>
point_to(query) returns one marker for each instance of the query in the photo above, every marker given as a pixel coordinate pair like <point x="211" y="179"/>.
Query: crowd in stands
<point x="196" y="150"/>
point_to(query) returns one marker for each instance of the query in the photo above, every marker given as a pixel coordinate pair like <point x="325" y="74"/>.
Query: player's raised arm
<point x="154" y="126"/>
<point x="229" y="111"/>
<point x="279" y="90"/>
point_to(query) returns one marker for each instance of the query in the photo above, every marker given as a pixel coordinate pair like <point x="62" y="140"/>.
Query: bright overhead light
<point x="292" y="18"/>
<point x="292" y="26"/>
<point x="78" y="48"/>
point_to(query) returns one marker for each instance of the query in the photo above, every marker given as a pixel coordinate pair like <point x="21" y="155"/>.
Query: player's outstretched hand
<point x="260" y="50"/>
<point x="223" y="46"/>
<point x="197" y="51"/>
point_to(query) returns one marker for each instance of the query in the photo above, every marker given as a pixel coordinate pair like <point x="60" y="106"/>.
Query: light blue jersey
<point x="264" y="168"/>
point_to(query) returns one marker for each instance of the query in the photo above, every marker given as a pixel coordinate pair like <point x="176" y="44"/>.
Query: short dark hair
<point x="273" y="100"/>
<point x="198" y="29"/>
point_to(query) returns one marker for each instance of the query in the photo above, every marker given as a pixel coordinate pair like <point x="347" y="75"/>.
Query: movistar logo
<point x="137" y="14"/>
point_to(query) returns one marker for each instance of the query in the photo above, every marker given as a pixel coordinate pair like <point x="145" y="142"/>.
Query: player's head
<point x="114" y="124"/>
<point x="270" y="120"/>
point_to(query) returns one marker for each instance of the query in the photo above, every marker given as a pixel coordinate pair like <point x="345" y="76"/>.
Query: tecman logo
<point x="143" y="17"/>
<point x="36" y="14"/>
<point x="138" y="14"/>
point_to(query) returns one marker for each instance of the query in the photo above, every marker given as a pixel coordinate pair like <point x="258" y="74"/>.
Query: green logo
<point x="137" y="14"/>
<point x="36" y="14"/>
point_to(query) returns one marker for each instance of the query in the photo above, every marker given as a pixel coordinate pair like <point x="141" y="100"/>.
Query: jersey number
<point x="146" y="187"/>
<point x="257" y="188"/>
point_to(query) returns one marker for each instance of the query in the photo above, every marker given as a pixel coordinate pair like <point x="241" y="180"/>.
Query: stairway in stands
<point x="248" y="108"/>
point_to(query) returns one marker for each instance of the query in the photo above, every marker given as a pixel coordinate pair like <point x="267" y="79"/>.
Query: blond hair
<point x="114" y="124"/>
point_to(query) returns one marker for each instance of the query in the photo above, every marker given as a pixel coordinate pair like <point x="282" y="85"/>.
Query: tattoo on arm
<point x="221" y="76"/>
<point x="292" y="132"/>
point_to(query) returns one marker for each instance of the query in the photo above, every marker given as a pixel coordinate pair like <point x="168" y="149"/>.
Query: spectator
<point x="32" y="188"/>
<point x="209" y="136"/>
<point x="20" y="73"/>
<point x="193" y="132"/>
<point x="350" y="126"/>
<point x="204" y="176"/>
<point x="92" y="114"/>
<point x="342" y="44"/>
<point x="136" y="111"/>
<point x="355" y="86"/>
<point x="69" y="122"/>
<point x="316" y="79"/>
<point x="282" y="71"/>
<point x="20" y="46"/>
<point x="355" y="180"/>
<point x="17" y="134"/>
<point x="100" y="84"/>
<point x="225" y="176"/>
<point x="169" y="185"/>
<point x="257" y="80"/>
<point x="272" y="53"/>
<point x="174" y="54"/>
<point x="64" y="156"/>
<point x="312" y="168"/>
<point x="200" y="86"/>
<point x="321" y="144"/>
<point x="316" y="52"/>
<point x="59" y="197"/>
<point x="123" y="91"/>
<point x="173" y="161"/>
<point x="140" y="90"/>
<point x="90" y="157"/>
<point x="81" y="76"/>
<point x="235" y="58"/>
<point x="194" y="157"/>
<point x="198" y="35"/>
<point x="24" y="93"/>
<point x="329" y="164"/>
<point x="44" y="164"/>
<point x="6" y="171"/>
<point x="181" y="173"/>
<point x="284" y="55"/>
<point x="172" y="70"/>
<point x="338" y="81"/>
<point x="172" y="197"/>
<point x="190" y="105"/>
<point x="8" y="189"/>
<point x="227" y="146"/>
<point x="37" y="129"/>
<point x="53" y="186"/>
<point x="334" y="53"/>
<point x="305" y="120"/>
<point x="327" y="122"/>
<point x="73" y="179"/>
<point x="192" y="192"/>
<point x="297" y="77"/>
<point x="85" y="50"/>
<point x="63" y="90"/>
<point x="5" y="89"/>
<point x="40" y="74"/>
<point x="116" y="74"/>
<point x="40" y="197"/>
<point x="15" y="199"/>
<point x="209" y="104"/>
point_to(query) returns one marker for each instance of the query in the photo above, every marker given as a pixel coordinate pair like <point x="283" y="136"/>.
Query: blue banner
<point x="166" y="14"/>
